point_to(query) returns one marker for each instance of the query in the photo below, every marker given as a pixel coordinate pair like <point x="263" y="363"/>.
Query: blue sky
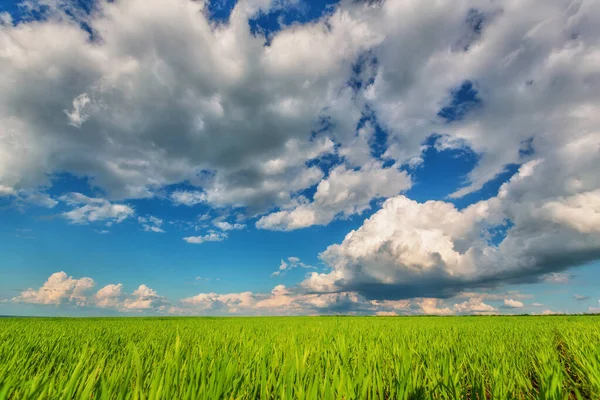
<point x="297" y="157"/>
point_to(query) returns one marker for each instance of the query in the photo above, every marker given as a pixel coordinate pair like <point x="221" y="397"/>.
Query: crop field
<point x="552" y="357"/>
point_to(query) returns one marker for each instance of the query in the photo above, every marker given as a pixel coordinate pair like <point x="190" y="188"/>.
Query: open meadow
<point x="550" y="357"/>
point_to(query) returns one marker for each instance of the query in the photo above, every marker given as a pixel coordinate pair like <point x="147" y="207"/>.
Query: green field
<point x="552" y="357"/>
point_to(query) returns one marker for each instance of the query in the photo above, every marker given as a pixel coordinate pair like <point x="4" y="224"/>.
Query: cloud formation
<point x="61" y="289"/>
<point x="209" y="237"/>
<point x="284" y="129"/>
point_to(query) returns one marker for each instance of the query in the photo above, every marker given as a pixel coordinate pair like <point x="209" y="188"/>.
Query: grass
<point x="553" y="357"/>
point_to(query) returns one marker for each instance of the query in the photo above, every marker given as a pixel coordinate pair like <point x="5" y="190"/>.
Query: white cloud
<point x="292" y="263"/>
<point x="145" y="298"/>
<point x="58" y="289"/>
<point x="136" y="114"/>
<point x="236" y="121"/>
<point x="88" y="209"/>
<point x="209" y="237"/>
<point x="7" y="191"/>
<point x="151" y="224"/>
<point x="434" y="307"/>
<point x="344" y="192"/>
<point x="110" y="296"/>
<point x="550" y="312"/>
<point x="227" y="226"/>
<point x="434" y="249"/>
<point x="188" y="197"/>
<point x="474" y="305"/>
<point x="61" y="289"/>
<point x="510" y="303"/>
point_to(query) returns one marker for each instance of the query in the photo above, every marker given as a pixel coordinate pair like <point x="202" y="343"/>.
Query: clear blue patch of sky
<point x="464" y="99"/>
<point x="302" y="11"/>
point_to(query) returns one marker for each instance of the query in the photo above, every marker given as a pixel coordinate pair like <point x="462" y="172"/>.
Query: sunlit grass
<point x="554" y="357"/>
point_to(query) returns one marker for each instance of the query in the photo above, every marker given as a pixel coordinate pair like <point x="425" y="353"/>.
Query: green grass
<point x="555" y="357"/>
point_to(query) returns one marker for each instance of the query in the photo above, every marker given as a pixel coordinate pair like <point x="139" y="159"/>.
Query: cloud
<point x="510" y="303"/>
<point x="151" y="224"/>
<point x="209" y="237"/>
<point x="411" y="249"/>
<point x="145" y="298"/>
<point x="434" y="307"/>
<point x="557" y="277"/>
<point x="188" y="197"/>
<point x="474" y="306"/>
<point x="550" y="312"/>
<point x="580" y="297"/>
<point x="58" y="289"/>
<point x="513" y="294"/>
<point x="110" y="296"/>
<point x="87" y="210"/>
<point x="537" y="304"/>
<point x="292" y="263"/>
<point x="344" y="192"/>
<point x="136" y="114"/>
<point x="61" y="289"/>
<point x="7" y="191"/>
<point x="227" y="226"/>
<point x="263" y="127"/>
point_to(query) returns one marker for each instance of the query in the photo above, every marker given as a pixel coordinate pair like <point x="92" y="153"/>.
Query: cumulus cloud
<point x="60" y="288"/>
<point x="209" y="237"/>
<point x="145" y="298"/>
<point x="222" y="111"/>
<point x="244" y="124"/>
<point x="409" y="248"/>
<point x="110" y="296"/>
<point x="345" y="192"/>
<point x="474" y="306"/>
<point x="510" y="303"/>
<point x="88" y="209"/>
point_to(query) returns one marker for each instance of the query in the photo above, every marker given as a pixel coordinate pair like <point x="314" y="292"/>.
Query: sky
<point x="295" y="157"/>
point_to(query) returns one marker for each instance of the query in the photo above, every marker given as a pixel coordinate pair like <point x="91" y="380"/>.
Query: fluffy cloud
<point x="246" y="124"/>
<point x="510" y="303"/>
<point x="61" y="289"/>
<point x="58" y="289"/>
<point x="345" y="192"/>
<point x="222" y="111"/>
<point x="409" y="248"/>
<point x="474" y="305"/>
<point x="188" y="197"/>
<point x="145" y="298"/>
<point x="88" y="209"/>
<point x="434" y="307"/>
<point x="209" y="237"/>
<point x="110" y="296"/>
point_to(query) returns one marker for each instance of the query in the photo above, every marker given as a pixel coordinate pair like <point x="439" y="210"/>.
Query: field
<point x="552" y="357"/>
